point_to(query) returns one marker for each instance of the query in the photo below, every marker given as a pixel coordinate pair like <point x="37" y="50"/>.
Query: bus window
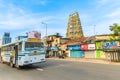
<point x="20" y="46"/>
<point x="33" y="45"/>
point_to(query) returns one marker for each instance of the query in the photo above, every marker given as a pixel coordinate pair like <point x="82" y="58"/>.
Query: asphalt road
<point x="61" y="70"/>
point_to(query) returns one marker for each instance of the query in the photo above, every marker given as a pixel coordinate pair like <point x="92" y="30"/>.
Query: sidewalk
<point x="87" y="60"/>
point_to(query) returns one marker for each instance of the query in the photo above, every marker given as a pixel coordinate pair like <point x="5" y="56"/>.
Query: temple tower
<point x="74" y="28"/>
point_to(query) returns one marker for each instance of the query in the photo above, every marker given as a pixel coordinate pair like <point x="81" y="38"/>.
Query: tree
<point x="115" y="28"/>
<point x="58" y="34"/>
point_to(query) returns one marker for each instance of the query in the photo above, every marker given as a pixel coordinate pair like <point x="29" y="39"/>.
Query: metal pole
<point x="46" y="30"/>
<point x="46" y="27"/>
<point x="94" y="29"/>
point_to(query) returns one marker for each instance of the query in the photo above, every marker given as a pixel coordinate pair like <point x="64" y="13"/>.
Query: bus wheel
<point x="11" y="64"/>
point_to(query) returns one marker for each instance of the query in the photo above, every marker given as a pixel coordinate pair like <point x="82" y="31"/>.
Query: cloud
<point x="114" y="14"/>
<point x="102" y="27"/>
<point x="103" y="1"/>
<point x="41" y="2"/>
<point x="18" y="18"/>
<point x="104" y="13"/>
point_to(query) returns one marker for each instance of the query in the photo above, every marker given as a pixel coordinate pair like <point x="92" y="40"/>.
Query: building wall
<point x="102" y="37"/>
<point x="89" y="54"/>
<point x="113" y="55"/>
<point x="105" y="37"/>
<point x="56" y="42"/>
<point x="100" y="54"/>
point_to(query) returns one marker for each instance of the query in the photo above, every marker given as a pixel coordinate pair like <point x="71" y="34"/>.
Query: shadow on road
<point x="34" y="66"/>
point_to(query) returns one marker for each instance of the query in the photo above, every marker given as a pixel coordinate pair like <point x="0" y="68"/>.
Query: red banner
<point x="84" y="47"/>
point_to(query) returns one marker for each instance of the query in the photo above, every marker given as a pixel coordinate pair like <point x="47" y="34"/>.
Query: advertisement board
<point x="74" y="47"/>
<point x="34" y="34"/>
<point x="33" y="40"/>
<point x="84" y="46"/>
<point x="108" y="45"/>
<point x="91" y="46"/>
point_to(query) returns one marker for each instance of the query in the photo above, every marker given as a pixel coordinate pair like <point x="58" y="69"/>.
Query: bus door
<point x="16" y="54"/>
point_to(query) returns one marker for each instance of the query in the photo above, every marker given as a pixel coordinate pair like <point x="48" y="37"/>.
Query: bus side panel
<point x="5" y="57"/>
<point x="26" y="60"/>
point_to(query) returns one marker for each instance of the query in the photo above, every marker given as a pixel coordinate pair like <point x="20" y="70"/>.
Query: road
<point x="61" y="70"/>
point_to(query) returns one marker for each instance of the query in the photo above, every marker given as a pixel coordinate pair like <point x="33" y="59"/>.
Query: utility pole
<point x="46" y="27"/>
<point x="94" y="30"/>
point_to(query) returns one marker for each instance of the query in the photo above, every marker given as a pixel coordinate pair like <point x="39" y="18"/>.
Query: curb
<point x="87" y="60"/>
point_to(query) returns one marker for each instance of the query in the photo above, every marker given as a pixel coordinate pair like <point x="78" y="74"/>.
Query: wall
<point x="89" y="54"/>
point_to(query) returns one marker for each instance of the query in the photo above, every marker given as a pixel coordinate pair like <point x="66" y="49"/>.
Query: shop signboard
<point x="108" y="45"/>
<point x="84" y="46"/>
<point x="34" y="34"/>
<point x="91" y="46"/>
<point x="74" y="47"/>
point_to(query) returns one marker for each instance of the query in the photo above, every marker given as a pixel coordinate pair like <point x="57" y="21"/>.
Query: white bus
<point x="23" y="52"/>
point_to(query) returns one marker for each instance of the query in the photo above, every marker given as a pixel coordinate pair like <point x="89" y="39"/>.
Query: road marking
<point x="39" y="69"/>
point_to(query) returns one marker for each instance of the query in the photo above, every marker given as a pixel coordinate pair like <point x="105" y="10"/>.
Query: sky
<point x="21" y="16"/>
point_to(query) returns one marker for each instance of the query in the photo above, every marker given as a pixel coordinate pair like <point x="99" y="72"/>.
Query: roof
<point x="77" y="41"/>
<point x="104" y="35"/>
<point x="11" y="43"/>
<point x="65" y="38"/>
<point x="54" y="35"/>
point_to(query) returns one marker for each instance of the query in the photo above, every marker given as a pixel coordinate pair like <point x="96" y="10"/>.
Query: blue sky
<point x="20" y="16"/>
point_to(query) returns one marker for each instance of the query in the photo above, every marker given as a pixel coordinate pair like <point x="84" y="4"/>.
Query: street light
<point x="46" y="27"/>
<point x="94" y="29"/>
<point x="46" y="33"/>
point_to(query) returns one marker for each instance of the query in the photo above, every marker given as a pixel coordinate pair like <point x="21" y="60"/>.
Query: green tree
<point x="58" y="34"/>
<point x="115" y="28"/>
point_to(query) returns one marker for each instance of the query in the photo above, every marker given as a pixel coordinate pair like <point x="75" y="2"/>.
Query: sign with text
<point x="74" y="47"/>
<point x="108" y="45"/>
<point x="84" y="46"/>
<point x="91" y="46"/>
<point x="34" y="34"/>
<point x="33" y="39"/>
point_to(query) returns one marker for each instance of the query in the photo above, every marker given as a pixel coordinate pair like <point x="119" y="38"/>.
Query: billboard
<point x="91" y="46"/>
<point x="34" y="34"/>
<point x="108" y="45"/>
<point x="84" y="46"/>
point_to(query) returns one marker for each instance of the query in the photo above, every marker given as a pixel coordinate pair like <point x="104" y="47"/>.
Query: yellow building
<point x="54" y="43"/>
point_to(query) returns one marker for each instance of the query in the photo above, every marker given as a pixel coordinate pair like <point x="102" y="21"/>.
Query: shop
<point x="75" y="51"/>
<point x="89" y="50"/>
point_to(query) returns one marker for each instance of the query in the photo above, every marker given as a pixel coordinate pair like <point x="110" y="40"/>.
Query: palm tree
<point x="115" y="28"/>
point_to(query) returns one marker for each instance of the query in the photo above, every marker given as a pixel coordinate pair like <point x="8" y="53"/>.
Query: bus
<point x="23" y="52"/>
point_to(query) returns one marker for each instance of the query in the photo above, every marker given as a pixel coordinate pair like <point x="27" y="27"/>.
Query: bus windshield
<point x="34" y="46"/>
